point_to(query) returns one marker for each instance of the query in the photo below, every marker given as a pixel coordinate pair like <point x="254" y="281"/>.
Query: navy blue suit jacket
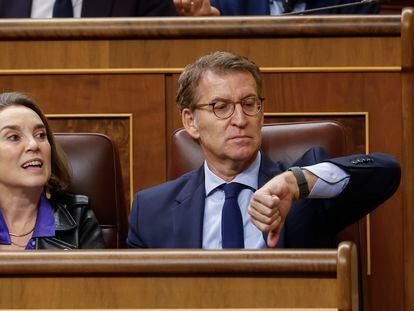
<point x="261" y="7"/>
<point x="97" y="8"/>
<point x="170" y="215"/>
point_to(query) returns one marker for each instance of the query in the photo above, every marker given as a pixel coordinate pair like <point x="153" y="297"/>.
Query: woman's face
<point x="24" y="149"/>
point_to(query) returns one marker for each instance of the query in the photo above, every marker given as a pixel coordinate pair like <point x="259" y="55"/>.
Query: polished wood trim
<point x="89" y="115"/>
<point x="368" y="218"/>
<point x="279" y="262"/>
<point x="330" y="69"/>
<point x="174" y="279"/>
<point x="407" y="49"/>
<point x="348" y="290"/>
<point x="131" y="160"/>
<point x="200" y="27"/>
<point x="200" y="309"/>
<point x="367" y="140"/>
<point x="78" y="71"/>
<point x="315" y="114"/>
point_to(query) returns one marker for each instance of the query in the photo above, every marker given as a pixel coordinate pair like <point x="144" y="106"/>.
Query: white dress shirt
<point x="44" y="8"/>
<point x="331" y="181"/>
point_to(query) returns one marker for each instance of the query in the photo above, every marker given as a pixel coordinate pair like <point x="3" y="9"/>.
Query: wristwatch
<point x="301" y="180"/>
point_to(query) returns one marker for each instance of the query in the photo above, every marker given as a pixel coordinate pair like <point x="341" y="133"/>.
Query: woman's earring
<point x="48" y="194"/>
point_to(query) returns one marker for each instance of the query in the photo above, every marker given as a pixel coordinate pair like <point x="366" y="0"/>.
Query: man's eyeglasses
<point x="224" y="109"/>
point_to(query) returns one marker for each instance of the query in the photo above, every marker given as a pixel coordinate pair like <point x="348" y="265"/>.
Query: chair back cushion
<point x="284" y="142"/>
<point x="96" y="172"/>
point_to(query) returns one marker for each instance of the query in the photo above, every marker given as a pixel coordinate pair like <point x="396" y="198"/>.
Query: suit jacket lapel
<point x="268" y="169"/>
<point x="188" y="214"/>
<point x="96" y="8"/>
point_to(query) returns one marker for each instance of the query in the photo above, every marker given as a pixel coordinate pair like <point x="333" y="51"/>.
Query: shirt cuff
<point x="331" y="181"/>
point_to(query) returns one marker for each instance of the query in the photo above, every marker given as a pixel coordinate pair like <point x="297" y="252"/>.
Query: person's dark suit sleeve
<point x="374" y="179"/>
<point x="134" y="240"/>
<point x="127" y="8"/>
<point x="156" y="8"/>
<point x="316" y="222"/>
<point x="261" y="7"/>
<point x="15" y="8"/>
<point x="371" y="8"/>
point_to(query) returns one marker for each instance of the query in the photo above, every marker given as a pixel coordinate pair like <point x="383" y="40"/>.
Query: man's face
<point x="231" y="142"/>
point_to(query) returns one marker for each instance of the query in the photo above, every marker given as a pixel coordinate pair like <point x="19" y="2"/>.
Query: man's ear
<point x="189" y="123"/>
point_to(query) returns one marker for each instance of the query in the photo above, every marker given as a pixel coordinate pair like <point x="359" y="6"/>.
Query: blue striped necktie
<point x="231" y="217"/>
<point x="63" y="8"/>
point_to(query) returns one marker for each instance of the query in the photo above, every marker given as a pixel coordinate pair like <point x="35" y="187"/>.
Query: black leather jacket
<point x="75" y="224"/>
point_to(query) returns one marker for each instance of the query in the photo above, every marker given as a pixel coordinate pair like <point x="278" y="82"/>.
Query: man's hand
<point x="270" y="204"/>
<point x="195" y="8"/>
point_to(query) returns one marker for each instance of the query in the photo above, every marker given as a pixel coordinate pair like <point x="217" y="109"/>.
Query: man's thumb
<point x="273" y="238"/>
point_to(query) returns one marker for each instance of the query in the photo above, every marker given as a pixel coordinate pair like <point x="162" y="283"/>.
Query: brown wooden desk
<point x="122" y="73"/>
<point x="170" y="279"/>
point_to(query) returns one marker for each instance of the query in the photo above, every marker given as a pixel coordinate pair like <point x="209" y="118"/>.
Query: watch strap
<point x="301" y="181"/>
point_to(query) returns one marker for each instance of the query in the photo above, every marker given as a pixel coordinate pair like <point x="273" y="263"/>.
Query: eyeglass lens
<point x="250" y="105"/>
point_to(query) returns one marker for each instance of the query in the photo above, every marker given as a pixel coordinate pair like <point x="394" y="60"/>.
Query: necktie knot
<point x="232" y="189"/>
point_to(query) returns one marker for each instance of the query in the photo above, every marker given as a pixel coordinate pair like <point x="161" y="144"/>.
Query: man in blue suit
<point x="240" y="198"/>
<point x="273" y="7"/>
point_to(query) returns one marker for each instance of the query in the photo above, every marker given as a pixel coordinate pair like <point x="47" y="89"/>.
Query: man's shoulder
<point x="172" y="187"/>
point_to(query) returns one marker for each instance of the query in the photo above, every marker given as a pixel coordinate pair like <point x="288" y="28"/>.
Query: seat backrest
<point x="284" y="142"/>
<point x="96" y="172"/>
